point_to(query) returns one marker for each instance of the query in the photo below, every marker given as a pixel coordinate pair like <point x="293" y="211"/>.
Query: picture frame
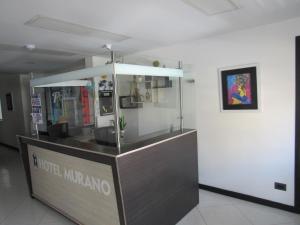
<point x="9" y="102"/>
<point x="239" y="88"/>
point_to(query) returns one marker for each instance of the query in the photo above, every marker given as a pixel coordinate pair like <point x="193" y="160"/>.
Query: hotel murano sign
<point x="75" y="186"/>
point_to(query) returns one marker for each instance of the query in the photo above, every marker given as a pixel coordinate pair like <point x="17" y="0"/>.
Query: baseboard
<point x="250" y="198"/>
<point x="9" y="146"/>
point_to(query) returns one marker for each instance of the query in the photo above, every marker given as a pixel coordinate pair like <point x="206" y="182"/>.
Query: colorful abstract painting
<point x="239" y="88"/>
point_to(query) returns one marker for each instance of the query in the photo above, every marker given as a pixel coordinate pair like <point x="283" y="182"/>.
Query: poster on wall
<point x="85" y="102"/>
<point x="36" y="105"/>
<point x="56" y="103"/>
<point x="239" y="88"/>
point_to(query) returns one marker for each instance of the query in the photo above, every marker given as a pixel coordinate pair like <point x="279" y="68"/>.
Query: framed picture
<point x="9" y="102"/>
<point x="239" y="88"/>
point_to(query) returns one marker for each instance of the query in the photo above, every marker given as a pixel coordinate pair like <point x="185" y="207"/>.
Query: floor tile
<point x="223" y="215"/>
<point x="207" y="198"/>
<point x="262" y="215"/>
<point x="192" y="218"/>
<point x="54" y="218"/>
<point x="30" y="212"/>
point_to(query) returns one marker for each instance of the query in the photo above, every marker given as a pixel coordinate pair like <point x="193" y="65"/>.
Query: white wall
<point x="13" y="122"/>
<point x="245" y="152"/>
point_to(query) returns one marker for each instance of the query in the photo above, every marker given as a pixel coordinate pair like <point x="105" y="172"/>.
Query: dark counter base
<point x="160" y="184"/>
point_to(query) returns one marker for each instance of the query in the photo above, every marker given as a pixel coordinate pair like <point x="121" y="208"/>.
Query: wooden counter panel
<point x="80" y="188"/>
<point x="160" y="183"/>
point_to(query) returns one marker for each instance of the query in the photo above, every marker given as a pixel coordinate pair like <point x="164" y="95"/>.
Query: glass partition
<point x="65" y="111"/>
<point x="149" y="106"/>
<point x="90" y="109"/>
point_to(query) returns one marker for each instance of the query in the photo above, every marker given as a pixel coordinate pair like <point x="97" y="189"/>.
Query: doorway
<point x="297" y="127"/>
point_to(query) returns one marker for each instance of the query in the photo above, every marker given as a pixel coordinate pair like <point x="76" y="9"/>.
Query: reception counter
<point x="151" y="182"/>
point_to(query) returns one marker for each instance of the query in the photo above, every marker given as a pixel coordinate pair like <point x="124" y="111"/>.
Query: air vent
<point x="72" y="28"/>
<point x="212" y="7"/>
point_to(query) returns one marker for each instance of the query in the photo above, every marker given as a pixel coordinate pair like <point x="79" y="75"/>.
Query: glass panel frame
<point x="116" y="71"/>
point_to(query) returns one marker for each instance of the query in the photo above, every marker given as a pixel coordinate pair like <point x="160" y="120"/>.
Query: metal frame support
<point x="180" y="98"/>
<point x="116" y="105"/>
<point x="112" y="56"/>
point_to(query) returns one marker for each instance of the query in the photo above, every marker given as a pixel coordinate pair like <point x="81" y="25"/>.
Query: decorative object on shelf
<point x="161" y="82"/>
<point x="135" y="91"/>
<point x="148" y="87"/>
<point x="239" y="88"/>
<point x="128" y="102"/>
<point x="156" y="63"/>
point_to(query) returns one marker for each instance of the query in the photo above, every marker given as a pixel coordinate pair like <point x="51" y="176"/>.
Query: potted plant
<point x="122" y="125"/>
<point x="156" y="63"/>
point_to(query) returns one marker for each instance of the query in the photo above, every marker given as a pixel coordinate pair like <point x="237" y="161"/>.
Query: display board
<point x="82" y="189"/>
<point x="36" y="105"/>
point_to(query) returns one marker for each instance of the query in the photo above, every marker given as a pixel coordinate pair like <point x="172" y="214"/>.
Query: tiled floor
<point x="17" y="208"/>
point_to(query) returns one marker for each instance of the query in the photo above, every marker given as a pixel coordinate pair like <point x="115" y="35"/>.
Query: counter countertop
<point x="102" y="149"/>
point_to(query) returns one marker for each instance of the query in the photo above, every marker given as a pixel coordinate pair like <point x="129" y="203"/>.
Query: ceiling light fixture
<point x="107" y="47"/>
<point x="212" y="7"/>
<point x="72" y="28"/>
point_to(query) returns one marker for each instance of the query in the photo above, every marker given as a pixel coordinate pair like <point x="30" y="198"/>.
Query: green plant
<point x="122" y="122"/>
<point x="156" y="63"/>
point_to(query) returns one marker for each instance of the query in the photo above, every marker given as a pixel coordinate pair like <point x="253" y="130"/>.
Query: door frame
<point x="297" y="126"/>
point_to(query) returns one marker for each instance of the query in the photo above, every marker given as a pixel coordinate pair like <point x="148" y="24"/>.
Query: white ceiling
<point x="148" y="23"/>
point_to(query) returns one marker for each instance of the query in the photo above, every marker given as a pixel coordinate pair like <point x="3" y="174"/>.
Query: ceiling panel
<point x="212" y="7"/>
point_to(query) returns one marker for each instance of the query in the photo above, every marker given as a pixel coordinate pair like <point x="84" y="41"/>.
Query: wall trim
<point x="9" y="146"/>
<point x="249" y="198"/>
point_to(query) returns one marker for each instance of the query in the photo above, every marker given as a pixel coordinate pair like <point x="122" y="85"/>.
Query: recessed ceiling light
<point x="72" y="28"/>
<point x="33" y="50"/>
<point x="30" y="47"/>
<point x="212" y="7"/>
